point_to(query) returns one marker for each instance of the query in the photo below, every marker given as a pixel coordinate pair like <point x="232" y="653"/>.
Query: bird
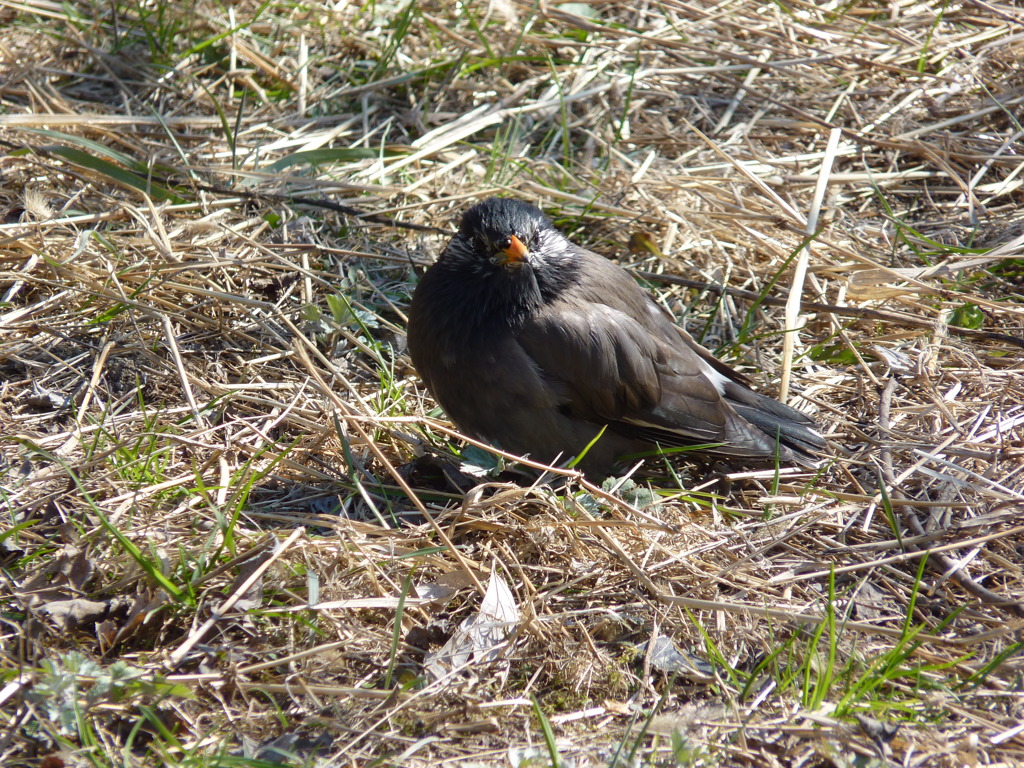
<point x="545" y="349"/>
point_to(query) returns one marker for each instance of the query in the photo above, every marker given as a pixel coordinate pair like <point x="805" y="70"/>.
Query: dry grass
<point x="229" y="507"/>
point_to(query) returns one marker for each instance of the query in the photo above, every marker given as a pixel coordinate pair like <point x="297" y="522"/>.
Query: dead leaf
<point x="665" y="657"/>
<point x="253" y="597"/>
<point x="64" y="577"/>
<point x="76" y="567"/>
<point x="69" y="615"/>
<point x="871" y="603"/>
<point x="481" y="638"/>
<point x="143" y="607"/>
<point x="643" y="244"/>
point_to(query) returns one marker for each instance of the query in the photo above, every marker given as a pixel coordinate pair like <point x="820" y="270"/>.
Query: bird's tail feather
<point x="792" y="428"/>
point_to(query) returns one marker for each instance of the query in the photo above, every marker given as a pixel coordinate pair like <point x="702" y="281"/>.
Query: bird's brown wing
<point x="702" y="399"/>
<point x="612" y="370"/>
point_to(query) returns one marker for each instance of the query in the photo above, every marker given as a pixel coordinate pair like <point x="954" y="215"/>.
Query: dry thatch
<point x="232" y="511"/>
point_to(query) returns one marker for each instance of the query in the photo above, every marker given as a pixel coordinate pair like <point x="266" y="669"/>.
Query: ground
<point x="234" y="519"/>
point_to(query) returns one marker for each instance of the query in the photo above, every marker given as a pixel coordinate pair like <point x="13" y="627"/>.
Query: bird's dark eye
<point x="505" y="244"/>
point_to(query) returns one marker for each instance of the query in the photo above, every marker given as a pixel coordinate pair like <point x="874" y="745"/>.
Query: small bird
<point x="536" y="345"/>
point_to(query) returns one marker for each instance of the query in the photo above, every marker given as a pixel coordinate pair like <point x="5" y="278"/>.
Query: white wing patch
<point x="714" y="376"/>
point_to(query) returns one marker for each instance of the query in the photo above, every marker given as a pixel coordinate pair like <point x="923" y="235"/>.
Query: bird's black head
<point x="499" y="232"/>
<point x="505" y="235"/>
<point x="491" y="226"/>
<point x="506" y="260"/>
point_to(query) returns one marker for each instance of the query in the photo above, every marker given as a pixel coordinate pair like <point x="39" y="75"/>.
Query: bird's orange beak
<point x="515" y="253"/>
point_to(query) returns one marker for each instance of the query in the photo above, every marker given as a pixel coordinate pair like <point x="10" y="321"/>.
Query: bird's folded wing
<point x="613" y="370"/>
